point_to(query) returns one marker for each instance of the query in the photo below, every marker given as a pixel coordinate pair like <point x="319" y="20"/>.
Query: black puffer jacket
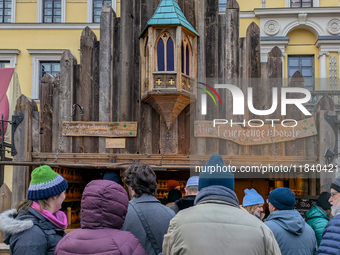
<point x="29" y="232"/>
<point x="183" y="203"/>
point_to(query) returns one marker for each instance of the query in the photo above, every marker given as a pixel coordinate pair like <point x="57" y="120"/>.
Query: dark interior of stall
<point x="78" y="178"/>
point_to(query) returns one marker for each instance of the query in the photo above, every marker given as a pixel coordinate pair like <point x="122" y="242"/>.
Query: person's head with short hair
<point x="253" y="202"/>
<point x="335" y="196"/>
<point x="281" y="199"/>
<point x="191" y="189"/>
<point x="141" y="179"/>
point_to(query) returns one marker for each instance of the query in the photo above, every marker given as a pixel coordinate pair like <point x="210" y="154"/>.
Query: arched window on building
<point x="186" y="56"/>
<point x="165" y="53"/>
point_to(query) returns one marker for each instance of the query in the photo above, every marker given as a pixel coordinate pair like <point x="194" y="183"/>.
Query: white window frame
<point x="9" y="55"/>
<point x="315" y="3"/>
<point x="13" y="11"/>
<point x="40" y="11"/>
<point x="89" y="11"/>
<point x="37" y="57"/>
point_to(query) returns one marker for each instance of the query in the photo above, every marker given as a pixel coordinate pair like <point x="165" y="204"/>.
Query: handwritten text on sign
<point x="255" y="135"/>
<point x="115" y="143"/>
<point x="106" y="129"/>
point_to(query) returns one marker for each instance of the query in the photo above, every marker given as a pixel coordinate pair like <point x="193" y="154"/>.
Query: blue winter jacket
<point x="292" y="233"/>
<point x="330" y="243"/>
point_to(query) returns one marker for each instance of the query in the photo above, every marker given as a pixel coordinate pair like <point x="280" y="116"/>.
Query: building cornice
<point x="295" y="11"/>
<point x="9" y="51"/>
<point x="49" y="26"/>
<point x="46" y="51"/>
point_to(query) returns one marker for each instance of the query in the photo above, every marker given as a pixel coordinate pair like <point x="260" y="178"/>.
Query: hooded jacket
<point x="183" y="203"/>
<point x="317" y="219"/>
<point x="330" y="243"/>
<point x="29" y="232"/>
<point x="293" y="235"/>
<point x="216" y="225"/>
<point x="103" y="210"/>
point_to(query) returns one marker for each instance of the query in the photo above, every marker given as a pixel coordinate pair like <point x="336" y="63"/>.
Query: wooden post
<point x="64" y="101"/>
<point x="211" y="55"/>
<point x="126" y="83"/>
<point x="46" y="113"/>
<point x="88" y="93"/>
<point x="105" y="69"/>
<point x="23" y="143"/>
<point x="253" y="67"/>
<point x="5" y="202"/>
<point x="230" y="69"/>
<point x="274" y="74"/>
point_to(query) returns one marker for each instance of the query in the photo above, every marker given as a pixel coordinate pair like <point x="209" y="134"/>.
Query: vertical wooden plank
<point x="56" y="132"/>
<point x="87" y="95"/>
<point x="46" y="113"/>
<point x="325" y="138"/>
<point x="126" y="83"/>
<point x="231" y="68"/>
<point x="35" y="132"/>
<point x="66" y="97"/>
<point x="24" y="146"/>
<point x="105" y="69"/>
<point x="211" y="55"/>
<point x="155" y="132"/>
<point x="136" y="102"/>
<point x="274" y="74"/>
<point x="5" y="202"/>
<point x="253" y="67"/>
<point x="182" y="140"/>
<point x="188" y="9"/>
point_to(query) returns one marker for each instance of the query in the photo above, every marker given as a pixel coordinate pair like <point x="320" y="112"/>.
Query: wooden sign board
<point x="103" y="129"/>
<point x="256" y="135"/>
<point x="115" y="143"/>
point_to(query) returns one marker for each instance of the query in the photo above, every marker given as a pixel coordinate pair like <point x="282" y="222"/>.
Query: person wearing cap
<point x="37" y="225"/>
<point x="191" y="190"/>
<point x="113" y="176"/>
<point x="317" y="216"/>
<point x="293" y="235"/>
<point x="253" y="202"/>
<point x="216" y="224"/>
<point x="330" y="242"/>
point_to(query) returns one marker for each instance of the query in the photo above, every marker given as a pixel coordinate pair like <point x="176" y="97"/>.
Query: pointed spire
<point x="168" y="12"/>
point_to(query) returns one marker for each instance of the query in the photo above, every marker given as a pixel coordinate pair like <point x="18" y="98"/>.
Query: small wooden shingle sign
<point x="102" y="129"/>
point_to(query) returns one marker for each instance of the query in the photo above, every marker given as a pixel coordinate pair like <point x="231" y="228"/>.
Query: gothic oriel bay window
<point x="165" y="53"/>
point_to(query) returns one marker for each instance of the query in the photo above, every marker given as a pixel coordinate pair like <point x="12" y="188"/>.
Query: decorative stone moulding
<point x="271" y="27"/>
<point x="333" y="26"/>
<point x="302" y="17"/>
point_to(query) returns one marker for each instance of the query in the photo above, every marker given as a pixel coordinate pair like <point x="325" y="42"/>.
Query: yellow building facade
<point x="34" y="33"/>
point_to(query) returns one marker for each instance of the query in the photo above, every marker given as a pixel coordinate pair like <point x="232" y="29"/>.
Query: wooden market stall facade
<point x="133" y="97"/>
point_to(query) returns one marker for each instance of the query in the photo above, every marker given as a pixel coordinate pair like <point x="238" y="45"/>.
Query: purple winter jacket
<point x="103" y="209"/>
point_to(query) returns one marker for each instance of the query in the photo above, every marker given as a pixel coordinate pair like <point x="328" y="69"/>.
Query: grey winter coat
<point x="216" y="225"/>
<point x="29" y="232"/>
<point x="158" y="217"/>
<point x="292" y="233"/>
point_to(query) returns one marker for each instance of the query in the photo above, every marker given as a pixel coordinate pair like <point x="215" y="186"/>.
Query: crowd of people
<point x="207" y="220"/>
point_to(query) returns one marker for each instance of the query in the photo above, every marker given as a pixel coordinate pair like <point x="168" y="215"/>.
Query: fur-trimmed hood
<point x="10" y="225"/>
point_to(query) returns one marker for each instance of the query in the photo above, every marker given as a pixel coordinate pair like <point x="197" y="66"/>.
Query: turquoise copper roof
<point x="169" y="13"/>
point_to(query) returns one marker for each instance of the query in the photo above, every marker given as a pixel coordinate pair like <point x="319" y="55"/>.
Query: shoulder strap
<point x="146" y="226"/>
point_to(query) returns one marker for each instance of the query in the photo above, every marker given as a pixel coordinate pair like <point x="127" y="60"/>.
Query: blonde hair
<point x="251" y="208"/>
<point x="26" y="204"/>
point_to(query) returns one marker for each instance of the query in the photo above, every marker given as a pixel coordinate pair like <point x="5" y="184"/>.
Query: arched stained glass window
<point x="170" y="55"/>
<point x="165" y="53"/>
<point x="185" y="56"/>
<point x="160" y="55"/>
<point x="187" y="62"/>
